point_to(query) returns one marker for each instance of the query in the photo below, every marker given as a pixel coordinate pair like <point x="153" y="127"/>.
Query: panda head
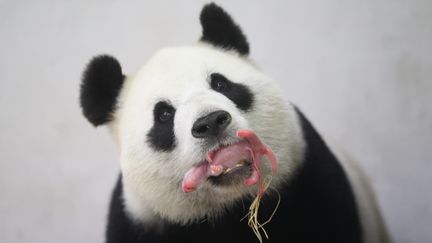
<point x="184" y="104"/>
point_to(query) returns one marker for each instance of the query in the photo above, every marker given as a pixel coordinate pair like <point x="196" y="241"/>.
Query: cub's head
<point x="185" y="122"/>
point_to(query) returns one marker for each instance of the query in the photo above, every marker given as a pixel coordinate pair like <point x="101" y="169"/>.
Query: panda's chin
<point x="233" y="176"/>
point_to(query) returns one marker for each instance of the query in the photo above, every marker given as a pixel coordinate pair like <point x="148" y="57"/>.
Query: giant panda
<point x="199" y="129"/>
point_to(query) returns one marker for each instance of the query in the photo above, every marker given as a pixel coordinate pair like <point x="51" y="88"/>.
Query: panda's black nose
<point x="211" y="125"/>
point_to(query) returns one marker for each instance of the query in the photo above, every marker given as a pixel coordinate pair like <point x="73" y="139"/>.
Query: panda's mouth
<point x="231" y="164"/>
<point x="237" y="166"/>
<point x="232" y="175"/>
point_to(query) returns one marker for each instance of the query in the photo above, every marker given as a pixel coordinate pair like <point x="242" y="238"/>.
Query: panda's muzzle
<point x="211" y="125"/>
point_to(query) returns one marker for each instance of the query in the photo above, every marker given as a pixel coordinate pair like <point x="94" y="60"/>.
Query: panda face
<point x="158" y="127"/>
<point x="184" y="108"/>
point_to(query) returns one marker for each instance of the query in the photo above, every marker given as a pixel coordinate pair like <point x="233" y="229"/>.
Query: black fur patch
<point x="317" y="205"/>
<point x="237" y="93"/>
<point x="320" y="204"/>
<point x="119" y="228"/>
<point x="101" y="83"/>
<point x="220" y="30"/>
<point x="161" y="136"/>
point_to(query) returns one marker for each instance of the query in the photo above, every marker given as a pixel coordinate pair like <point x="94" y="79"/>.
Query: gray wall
<point x="360" y="70"/>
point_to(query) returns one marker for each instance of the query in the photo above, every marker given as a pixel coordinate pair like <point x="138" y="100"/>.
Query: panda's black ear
<point x="220" y="30"/>
<point x="101" y="83"/>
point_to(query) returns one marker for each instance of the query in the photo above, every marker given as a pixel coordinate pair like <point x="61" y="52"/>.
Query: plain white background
<point x="360" y="70"/>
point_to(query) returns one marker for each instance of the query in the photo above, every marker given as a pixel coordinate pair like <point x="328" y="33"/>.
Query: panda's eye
<point x="221" y="85"/>
<point x="163" y="112"/>
<point x="165" y="115"/>
<point x="219" y="82"/>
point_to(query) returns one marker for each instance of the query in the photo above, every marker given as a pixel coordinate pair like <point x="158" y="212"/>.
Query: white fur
<point x="152" y="179"/>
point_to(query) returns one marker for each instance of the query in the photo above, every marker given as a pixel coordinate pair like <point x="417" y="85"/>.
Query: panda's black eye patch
<point x="237" y="93"/>
<point x="161" y="136"/>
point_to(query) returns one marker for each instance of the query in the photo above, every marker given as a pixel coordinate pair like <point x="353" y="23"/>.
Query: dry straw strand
<point x="257" y="227"/>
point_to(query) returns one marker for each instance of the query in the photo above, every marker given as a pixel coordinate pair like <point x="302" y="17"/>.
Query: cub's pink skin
<point x="250" y="149"/>
<point x="258" y="150"/>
